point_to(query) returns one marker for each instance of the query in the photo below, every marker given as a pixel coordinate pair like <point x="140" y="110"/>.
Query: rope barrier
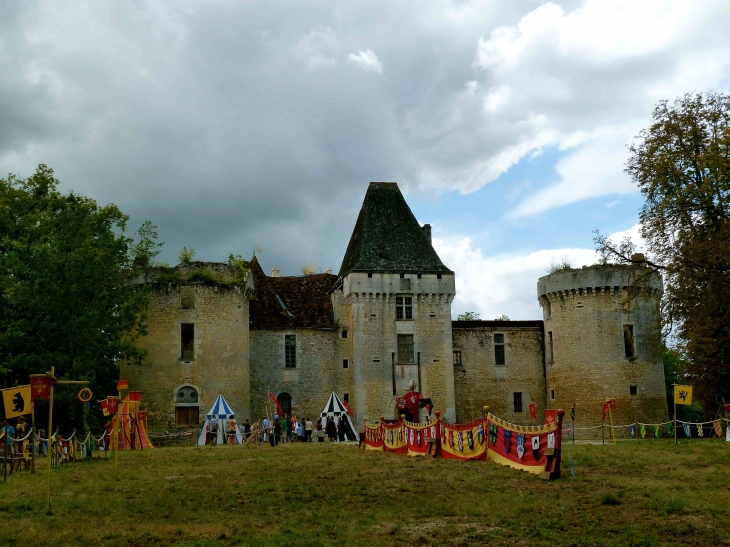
<point x="647" y="425"/>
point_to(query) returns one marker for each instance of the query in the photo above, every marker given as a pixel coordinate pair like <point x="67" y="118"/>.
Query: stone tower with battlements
<point x="394" y="296"/>
<point x="600" y="337"/>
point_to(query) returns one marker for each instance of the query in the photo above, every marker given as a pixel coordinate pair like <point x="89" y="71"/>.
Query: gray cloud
<point x="234" y="126"/>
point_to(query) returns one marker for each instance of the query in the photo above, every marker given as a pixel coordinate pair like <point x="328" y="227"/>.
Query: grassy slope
<point x="641" y="493"/>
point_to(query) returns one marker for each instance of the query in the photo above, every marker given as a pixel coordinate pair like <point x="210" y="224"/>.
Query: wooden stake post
<point x="675" y="413"/>
<point x="53" y="382"/>
<point x="610" y="420"/>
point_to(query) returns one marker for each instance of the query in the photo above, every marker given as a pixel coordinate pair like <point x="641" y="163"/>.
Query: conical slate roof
<point x="388" y="238"/>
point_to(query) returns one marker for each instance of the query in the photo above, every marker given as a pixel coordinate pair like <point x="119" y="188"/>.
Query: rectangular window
<point x="346" y="398"/>
<point x="629" y="345"/>
<point x="405" y="284"/>
<point x="404" y="307"/>
<point x="517" y="396"/>
<point x="344" y="333"/>
<point x="499" y="349"/>
<point x="457" y="358"/>
<point x="187" y="341"/>
<point x="290" y="351"/>
<point x="552" y="394"/>
<point x="550" y="347"/>
<point x="345" y="363"/>
<point x="633" y="390"/>
<point x="405" y="349"/>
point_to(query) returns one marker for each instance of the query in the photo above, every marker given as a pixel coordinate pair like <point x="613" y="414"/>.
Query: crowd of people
<point x="282" y="430"/>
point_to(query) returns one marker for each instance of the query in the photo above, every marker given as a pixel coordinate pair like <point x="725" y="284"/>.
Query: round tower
<point x="602" y="340"/>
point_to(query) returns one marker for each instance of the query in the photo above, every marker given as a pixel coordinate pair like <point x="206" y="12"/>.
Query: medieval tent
<point x="335" y="408"/>
<point x="219" y="415"/>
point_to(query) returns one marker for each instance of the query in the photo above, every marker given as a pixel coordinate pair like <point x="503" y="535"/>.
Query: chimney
<point x="638" y="258"/>
<point x="276" y="272"/>
<point x="427" y="230"/>
<point x="329" y="271"/>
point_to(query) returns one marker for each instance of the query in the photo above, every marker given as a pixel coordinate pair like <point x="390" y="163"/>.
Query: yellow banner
<point x="683" y="395"/>
<point x="17" y="401"/>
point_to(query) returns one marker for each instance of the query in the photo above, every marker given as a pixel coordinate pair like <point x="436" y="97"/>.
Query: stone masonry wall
<point x="585" y="312"/>
<point x="318" y="371"/>
<point x="220" y="365"/>
<point x="479" y="381"/>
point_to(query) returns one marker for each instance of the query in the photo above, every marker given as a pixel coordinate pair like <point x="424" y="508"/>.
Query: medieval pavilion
<point x="383" y="321"/>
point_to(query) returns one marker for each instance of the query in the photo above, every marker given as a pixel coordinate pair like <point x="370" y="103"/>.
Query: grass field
<point x="639" y="493"/>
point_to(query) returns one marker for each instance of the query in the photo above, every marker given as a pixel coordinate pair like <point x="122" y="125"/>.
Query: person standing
<point x="247" y="429"/>
<point x="300" y="431"/>
<point x="284" y="429"/>
<point x="331" y="429"/>
<point x="307" y="430"/>
<point x="265" y="429"/>
<point x="341" y="430"/>
<point x="277" y="431"/>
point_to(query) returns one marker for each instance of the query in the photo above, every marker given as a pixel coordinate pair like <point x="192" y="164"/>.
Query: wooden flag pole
<point x="50" y="443"/>
<point x="675" y="412"/>
<point x="610" y="420"/>
<point x="32" y="435"/>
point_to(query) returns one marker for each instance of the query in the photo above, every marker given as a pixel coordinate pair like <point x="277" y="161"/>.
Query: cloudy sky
<point x="242" y="126"/>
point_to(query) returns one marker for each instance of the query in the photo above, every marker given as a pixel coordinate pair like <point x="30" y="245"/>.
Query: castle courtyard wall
<point x="479" y="381"/>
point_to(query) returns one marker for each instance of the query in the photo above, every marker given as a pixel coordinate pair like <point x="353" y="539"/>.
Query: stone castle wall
<point x="585" y="312"/>
<point x="220" y="363"/>
<point x="479" y="381"/>
<point x="318" y="371"/>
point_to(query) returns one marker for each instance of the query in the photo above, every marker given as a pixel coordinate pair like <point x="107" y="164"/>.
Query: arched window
<point x="187" y="406"/>
<point x="285" y="403"/>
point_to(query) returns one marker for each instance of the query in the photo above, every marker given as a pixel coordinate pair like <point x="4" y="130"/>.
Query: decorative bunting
<point x="657" y="431"/>
<point x="718" y="428"/>
<point x="687" y="431"/>
<point x="632" y="431"/>
<point x="642" y="430"/>
<point x="551" y="440"/>
<point x="536" y="447"/>
<point x="520" y="445"/>
<point x="492" y="433"/>
<point x="670" y="428"/>
<point x="700" y="431"/>
<point x="507" y="435"/>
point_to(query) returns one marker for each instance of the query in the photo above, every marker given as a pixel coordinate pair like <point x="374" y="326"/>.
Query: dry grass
<point x="642" y="493"/>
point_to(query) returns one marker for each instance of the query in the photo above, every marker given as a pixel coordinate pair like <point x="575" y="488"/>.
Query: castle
<point x="385" y="320"/>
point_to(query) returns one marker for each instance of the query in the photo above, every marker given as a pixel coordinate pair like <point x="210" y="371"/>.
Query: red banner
<point x="373" y="437"/>
<point x="394" y="438"/>
<point x="551" y="416"/>
<point x="521" y="447"/>
<point x="112" y="404"/>
<point x="417" y="436"/>
<point x="347" y="406"/>
<point x="463" y="442"/>
<point x="122" y="385"/>
<point x="39" y="386"/>
<point x="533" y="412"/>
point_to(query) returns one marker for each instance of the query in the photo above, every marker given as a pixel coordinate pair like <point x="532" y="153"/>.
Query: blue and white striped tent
<point x="220" y="413"/>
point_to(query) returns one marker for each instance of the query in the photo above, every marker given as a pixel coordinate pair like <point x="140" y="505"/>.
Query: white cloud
<point x="582" y="82"/>
<point x="507" y="283"/>
<point x="315" y="49"/>
<point x="367" y="60"/>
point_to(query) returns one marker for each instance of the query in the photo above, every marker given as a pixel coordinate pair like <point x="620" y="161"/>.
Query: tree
<point x="681" y="165"/>
<point x="468" y="316"/>
<point x="186" y="255"/>
<point x="65" y="293"/>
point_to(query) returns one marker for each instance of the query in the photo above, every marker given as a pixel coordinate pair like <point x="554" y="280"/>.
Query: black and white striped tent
<point x="334" y="407"/>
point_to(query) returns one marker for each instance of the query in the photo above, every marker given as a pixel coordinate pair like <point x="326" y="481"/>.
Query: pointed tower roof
<point x="388" y="238"/>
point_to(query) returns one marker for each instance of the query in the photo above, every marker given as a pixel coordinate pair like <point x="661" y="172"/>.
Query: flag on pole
<point x="276" y="401"/>
<point x="112" y="403"/>
<point x="533" y="413"/>
<point x="347" y="406"/>
<point x="40" y="386"/>
<point x="17" y="401"/>
<point x="122" y="385"/>
<point x="683" y="395"/>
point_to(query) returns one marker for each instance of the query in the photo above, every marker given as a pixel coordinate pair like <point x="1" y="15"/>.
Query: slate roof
<point x="388" y="238"/>
<point x="291" y="302"/>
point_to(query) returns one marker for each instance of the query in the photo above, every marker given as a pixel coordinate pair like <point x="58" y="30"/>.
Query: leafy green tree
<point x="65" y="293"/>
<point x="681" y="164"/>
<point x="468" y="316"/>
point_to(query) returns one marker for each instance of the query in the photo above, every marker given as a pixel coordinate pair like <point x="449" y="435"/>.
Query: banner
<point x="394" y="438"/>
<point x="682" y="395"/>
<point x="276" y="401"/>
<point x="122" y="385"/>
<point x="40" y="386"/>
<point x="17" y="401"/>
<point x="520" y="447"/>
<point x="417" y="435"/>
<point x="718" y="428"/>
<point x="373" y="437"/>
<point x="533" y="413"/>
<point x="464" y="442"/>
